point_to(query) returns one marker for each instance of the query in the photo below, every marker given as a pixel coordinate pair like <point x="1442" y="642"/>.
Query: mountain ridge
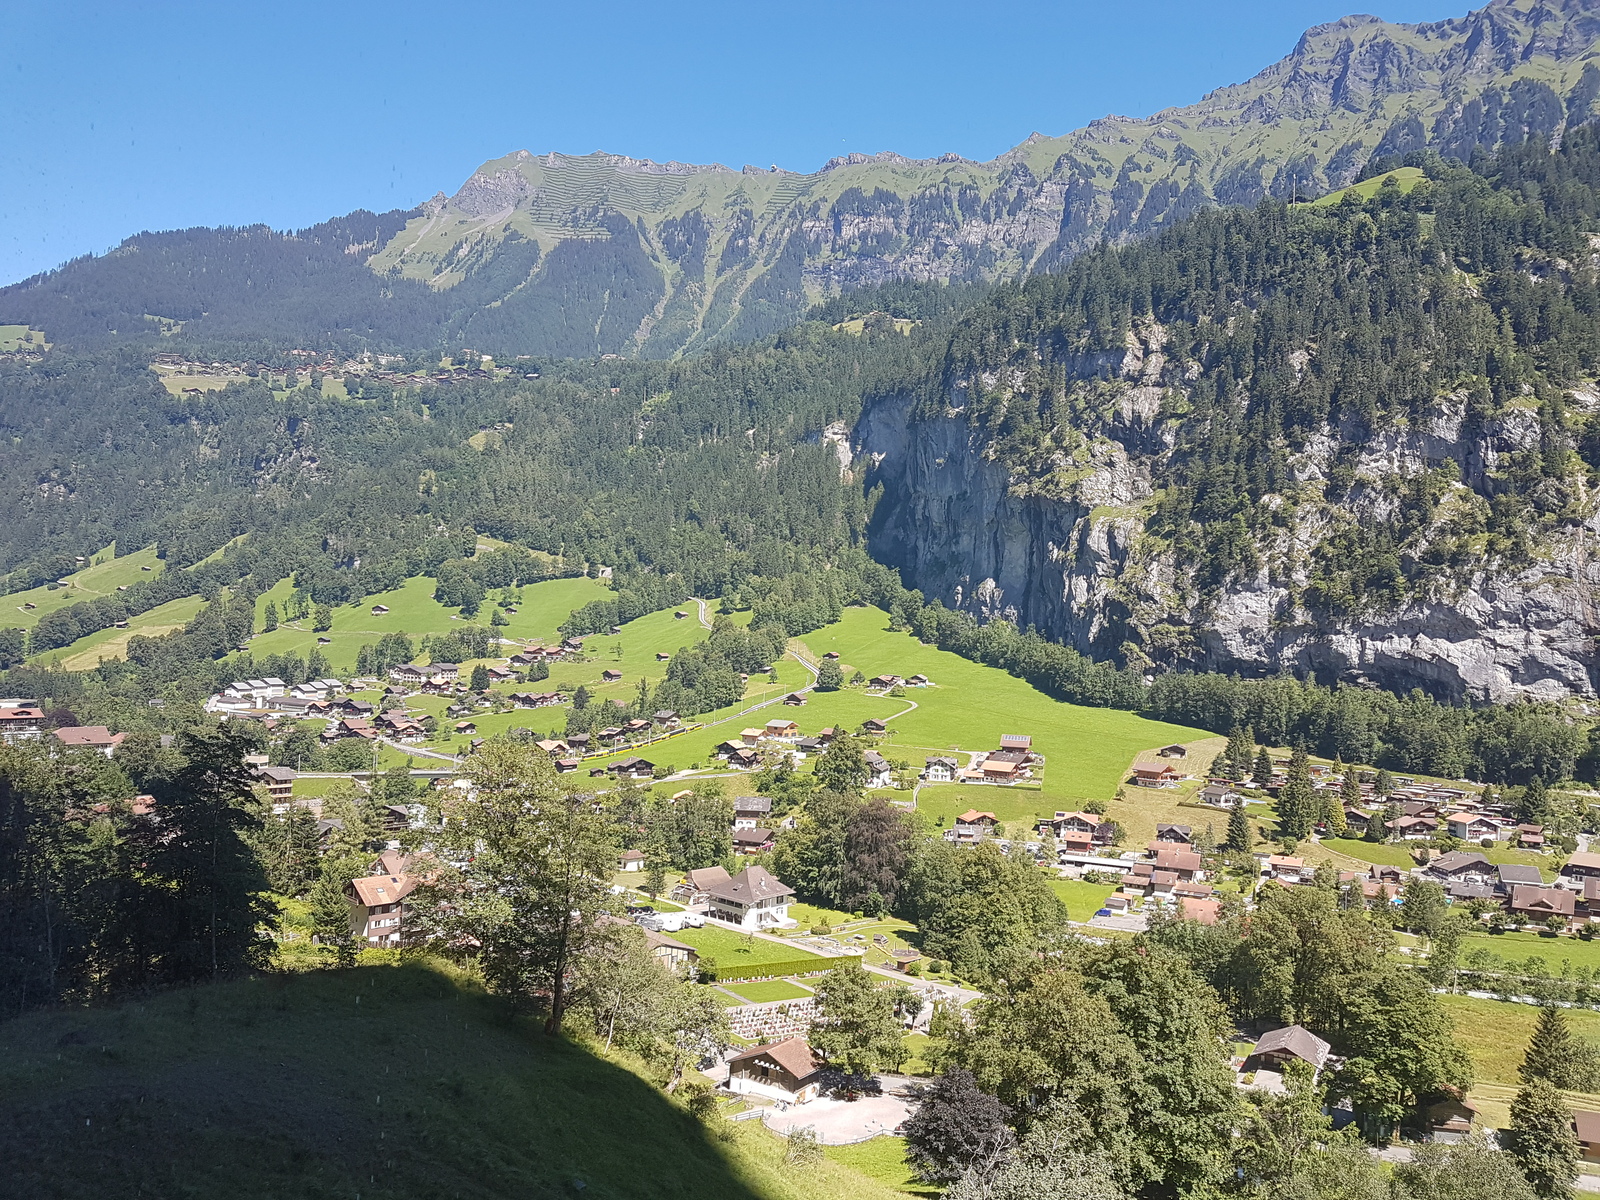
<point x="584" y="255"/>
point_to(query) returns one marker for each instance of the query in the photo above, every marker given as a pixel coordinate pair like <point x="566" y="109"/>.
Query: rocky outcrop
<point x="1066" y="551"/>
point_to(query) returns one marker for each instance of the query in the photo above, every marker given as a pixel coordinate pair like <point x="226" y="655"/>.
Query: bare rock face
<point x="1066" y="552"/>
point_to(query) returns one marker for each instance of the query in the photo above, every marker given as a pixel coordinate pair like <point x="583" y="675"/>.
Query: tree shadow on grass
<point x="395" y="1081"/>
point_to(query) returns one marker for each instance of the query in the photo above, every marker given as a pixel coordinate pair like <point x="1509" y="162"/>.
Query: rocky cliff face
<point x="733" y="254"/>
<point x="1068" y="551"/>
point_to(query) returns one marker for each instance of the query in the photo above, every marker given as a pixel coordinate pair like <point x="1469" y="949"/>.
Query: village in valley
<point x="1129" y="823"/>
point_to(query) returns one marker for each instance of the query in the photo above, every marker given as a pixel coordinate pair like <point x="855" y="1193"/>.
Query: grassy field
<point x="884" y="1160"/>
<point x="101" y="576"/>
<point x="289" y="1085"/>
<point x="85" y="653"/>
<point x="178" y="384"/>
<point x="1519" y="947"/>
<point x="18" y="337"/>
<point x="1406" y="177"/>
<point x="1496" y="1035"/>
<point x="768" y="990"/>
<point x="733" y="949"/>
<point x="1384" y="854"/>
<point x="1082" y="899"/>
<point x="1088" y="750"/>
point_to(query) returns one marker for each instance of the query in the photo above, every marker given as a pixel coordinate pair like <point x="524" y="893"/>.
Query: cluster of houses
<point x="782" y="737"/>
<point x="886" y="682"/>
<point x="1014" y="762"/>
<point x="271" y="696"/>
<point x="25" y="721"/>
<point x="1571" y="901"/>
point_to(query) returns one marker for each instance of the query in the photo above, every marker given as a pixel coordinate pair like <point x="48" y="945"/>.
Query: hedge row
<point x="773" y="970"/>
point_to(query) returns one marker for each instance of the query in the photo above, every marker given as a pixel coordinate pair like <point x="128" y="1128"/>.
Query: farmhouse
<point x="754" y="840"/>
<point x="1155" y="776"/>
<point x="750" y="811"/>
<point x="1277" y="1049"/>
<point x="973" y="826"/>
<point x="940" y="770"/>
<point x="786" y="1071"/>
<point x="1541" y="903"/>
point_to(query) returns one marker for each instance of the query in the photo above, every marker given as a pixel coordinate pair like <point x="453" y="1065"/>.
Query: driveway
<point x="840" y="1122"/>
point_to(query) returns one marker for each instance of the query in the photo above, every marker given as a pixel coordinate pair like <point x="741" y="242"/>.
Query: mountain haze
<point x="555" y="254"/>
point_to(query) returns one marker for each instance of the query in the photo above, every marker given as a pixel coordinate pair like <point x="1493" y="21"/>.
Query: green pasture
<point x="1406" y="177"/>
<point x="1087" y="750"/>
<point x="731" y="949"/>
<point x="1082" y="899"/>
<point x="1383" y="854"/>
<point x="85" y="653"/>
<point x="1518" y="947"/>
<point x="883" y="1160"/>
<point x="765" y="991"/>
<point x="101" y="576"/>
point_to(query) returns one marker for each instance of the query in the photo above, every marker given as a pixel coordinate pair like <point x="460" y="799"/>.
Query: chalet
<point x="554" y="747"/>
<point x="1357" y="821"/>
<point x="1219" y="795"/>
<point x="752" y="899"/>
<point x="537" y="699"/>
<point x="379" y="609"/>
<point x="831" y="655"/>
<point x="750" y="811"/>
<point x="1286" y="868"/>
<point x="880" y="774"/>
<point x="1277" y="1049"/>
<point x="678" y="957"/>
<point x="1462" y="866"/>
<point x="1582" y="865"/>
<point x="1415" y="828"/>
<point x="633" y="768"/>
<point x="1083" y="829"/>
<point x="692" y="890"/>
<point x="1175" y="833"/>
<point x="1155" y="777"/>
<point x="745" y="759"/>
<point x="873" y="725"/>
<point x="1016" y="741"/>
<point x="809" y="745"/>
<point x="573" y="644"/>
<point x="1371" y="889"/>
<point x="751" y="736"/>
<point x="610" y="735"/>
<point x="754" y="840"/>
<point x="885" y="681"/>
<point x="89" y="737"/>
<point x="631" y="860"/>
<point x="377" y="907"/>
<point x="781" y="729"/>
<point x="786" y="1071"/>
<point x="1530" y="837"/>
<point x="610" y="676"/>
<point x="465" y="728"/>
<point x="1586" y="1125"/>
<point x="940" y="770"/>
<point x="917" y="681"/>
<point x="999" y="771"/>
<point x="1174" y="751"/>
<point x="1541" y="903"/>
<point x="579" y="742"/>
<point x="794" y="699"/>
<point x="667" y="718"/>
<point x="974" y="826"/>
<point x="21" y="723"/>
<point x="636" y="727"/>
<point x="278" y="782"/>
<point x="1471" y="826"/>
<point x="1185" y="863"/>
<point x="566" y="765"/>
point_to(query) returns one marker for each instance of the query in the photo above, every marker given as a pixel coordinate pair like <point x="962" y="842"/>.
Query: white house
<point x="752" y="899"/>
<point x="940" y="770"/>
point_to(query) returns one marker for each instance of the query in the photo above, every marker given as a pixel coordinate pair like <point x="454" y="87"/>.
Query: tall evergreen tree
<point x="1559" y="1056"/>
<point x="1240" y="836"/>
<point x="1297" y="801"/>
<point x="1541" y="1139"/>
<point x="1261" y="769"/>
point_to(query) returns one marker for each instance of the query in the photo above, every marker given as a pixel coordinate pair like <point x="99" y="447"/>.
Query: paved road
<point x="840" y="1122"/>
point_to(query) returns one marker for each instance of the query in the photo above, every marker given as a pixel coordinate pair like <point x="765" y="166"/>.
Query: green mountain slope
<point x="378" y="1081"/>
<point x="649" y="258"/>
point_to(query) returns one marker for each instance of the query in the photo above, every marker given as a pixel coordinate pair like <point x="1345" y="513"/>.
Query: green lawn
<point x="16" y="337"/>
<point x="1496" y="1033"/>
<point x="1518" y="947"/>
<point x="811" y="914"/>
<point x="1386" y="854"/>
<point x="1088" y="750"/>
<point x="882" y="1159"/>
<point x="100" y="577"/>
<point x="1082" y="899"/>
<point x="734" y="949"/>
<point x="316" y="1069"/>
<point x="765" y="991"/>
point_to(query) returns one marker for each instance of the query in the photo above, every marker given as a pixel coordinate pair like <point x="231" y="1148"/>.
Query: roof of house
<point x="376" y="890"/>
<point x="1556" y="901"/>
<point x="87" y="735"/>
<point x="1517" y="873"/>
<point x="1170" y="858"/>
<point x="972" y="816"/>
<point x="752" y="804"/>
<point x="794" y="1055"/>
<point x="750" y="885"/>
<point x="1199" y="909"/>
<point x="752" y="837"/>
<point x="1016" y="741"/>
<point x="1584" y="858"/>
<point x="277" y="774"/>
<point x="1587" y="1125"/>
<point x="1458" y="860"/>
<point x="1296" y="1040"/>
<point x="633" y="856"/>
<point x="704" y="877"/>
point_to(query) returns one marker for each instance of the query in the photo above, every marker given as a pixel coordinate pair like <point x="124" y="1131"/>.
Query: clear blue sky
<point x="119" y="117"/>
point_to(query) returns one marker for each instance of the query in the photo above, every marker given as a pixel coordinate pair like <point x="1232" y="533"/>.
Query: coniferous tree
<point x="1240" y="836"/>
<point x="1261" y="769"/>
<point x="1297" y="802"/>
<point x="1534" y="806"/>
<point x="270" y="619"/>
<point x="1559" y="1056"/>
<point x="1541" y="1139"/>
